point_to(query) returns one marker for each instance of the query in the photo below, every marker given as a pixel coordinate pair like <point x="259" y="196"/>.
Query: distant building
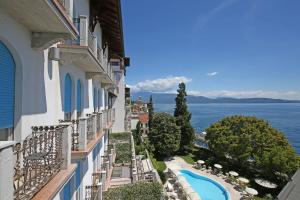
<point x="139" y="112"/>
<point x="144" y="119"/>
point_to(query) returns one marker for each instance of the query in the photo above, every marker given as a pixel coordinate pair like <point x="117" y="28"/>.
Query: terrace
<point x="87" y="131"/>
<point x="85" y="52"/>
<point x="38" y="161"/>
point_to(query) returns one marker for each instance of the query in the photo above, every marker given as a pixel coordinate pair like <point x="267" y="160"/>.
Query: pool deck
<point x="178" y="163"/>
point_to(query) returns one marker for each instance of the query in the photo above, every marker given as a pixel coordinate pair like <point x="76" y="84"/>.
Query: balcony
<point x="86" y="53"/>
<point x="49" y="20"/>
<point x="93" y="192"/>
<point x="108" y="118"/>
<point x="39" y="158"/>
<point x="86" y="132"/>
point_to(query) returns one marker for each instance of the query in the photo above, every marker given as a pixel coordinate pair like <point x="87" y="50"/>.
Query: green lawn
<point x="189" y="158"/>
<point x="159" y="165"/>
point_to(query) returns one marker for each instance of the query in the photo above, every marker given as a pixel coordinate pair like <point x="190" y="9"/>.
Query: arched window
<point x="7" y="92"/>
<point x="79" y="98"/>
<point x="68" y="97"/>
<point x="95" y="99"/>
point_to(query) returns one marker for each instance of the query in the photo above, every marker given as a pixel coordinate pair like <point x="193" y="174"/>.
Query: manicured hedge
<point x="123" y="151"/>
<point x="137" y="191"/>
<point x="124" y="136"/>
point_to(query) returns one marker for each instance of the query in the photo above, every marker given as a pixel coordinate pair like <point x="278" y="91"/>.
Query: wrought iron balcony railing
<point x="90" y="135"/>
<point x="93" y="192"/>
<point x="99" y="122"/>
<point x="75" y="133"/>
<point x="38" y="159"/>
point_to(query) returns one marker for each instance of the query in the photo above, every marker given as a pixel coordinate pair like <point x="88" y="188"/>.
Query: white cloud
<point x="167" y="84"/>
<point x="292" y="95"/>
<point x="212" y="73"/>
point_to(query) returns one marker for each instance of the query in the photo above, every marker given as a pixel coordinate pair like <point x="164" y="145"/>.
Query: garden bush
<point x="137" y="191"/>
<point x="123" y="151"/>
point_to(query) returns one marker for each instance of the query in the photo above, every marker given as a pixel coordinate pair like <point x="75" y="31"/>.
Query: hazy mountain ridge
<point x="166" y="98"/>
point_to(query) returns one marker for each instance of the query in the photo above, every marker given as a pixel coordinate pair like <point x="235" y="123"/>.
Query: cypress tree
<point x="150" y="112"/>
<point x="183" y="118"/>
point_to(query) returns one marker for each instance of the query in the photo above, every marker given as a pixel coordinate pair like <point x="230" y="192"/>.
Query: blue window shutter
<point x="78" y="175"/>
<point x="7" y="87"/>
<point x="95" y="99"/>
<point x="78" y="96"/>
<point x="67" y="191"/>
<point x="68" y="94"/>
<point x="101" y="100"/>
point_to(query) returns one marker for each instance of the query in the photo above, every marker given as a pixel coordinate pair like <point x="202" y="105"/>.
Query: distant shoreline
<point x="167" y="98"/>
<point x="236" y="103"/>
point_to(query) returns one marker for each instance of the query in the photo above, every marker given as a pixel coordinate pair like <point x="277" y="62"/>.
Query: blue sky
<point x="238" y="48"/>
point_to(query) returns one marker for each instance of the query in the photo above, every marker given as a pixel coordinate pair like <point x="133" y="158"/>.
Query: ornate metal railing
<point x="96" y="178"/>
<point x="75" y="134"/>
<point x="90" y="128"/>
<point x="38" y="159"/>
<point x="100" y="54"/>
<point x="99" y="121"/>
<point x="113" y="114"/>
<point x="92" y="192"/>
<point x="104" y="119"/>
<point x="91" y="42"/>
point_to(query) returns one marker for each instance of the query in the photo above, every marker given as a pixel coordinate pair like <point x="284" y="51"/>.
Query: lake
<point x="284" y="117"/>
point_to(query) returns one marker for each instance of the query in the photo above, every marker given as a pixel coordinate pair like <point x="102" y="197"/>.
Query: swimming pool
<point x="207" y="188"/>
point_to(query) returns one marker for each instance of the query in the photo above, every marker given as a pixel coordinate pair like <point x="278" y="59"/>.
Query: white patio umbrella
<point x="251" y="191"/>
<point x="243" y="180"/>
<point x="233" y="173"/>
<point x="200" y="162"/>
<point x="218" y="166"/>
<point x="265" y="183"/>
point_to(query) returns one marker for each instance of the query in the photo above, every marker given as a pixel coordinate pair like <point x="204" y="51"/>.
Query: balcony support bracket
<point x="41" y="40"/>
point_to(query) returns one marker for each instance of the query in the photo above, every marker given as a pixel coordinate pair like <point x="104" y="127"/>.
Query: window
<point x="68" y="97"/>
<point x="114" y="63"/>
<point x="7" y="92"/>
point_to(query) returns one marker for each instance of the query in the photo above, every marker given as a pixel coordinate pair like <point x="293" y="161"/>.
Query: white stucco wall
<point x="39" y="82"/>
<point x="39" y="88"/>
<point x="119" y="103"/>
<point x="81" y="7"/>
<point x="134" y="123"/>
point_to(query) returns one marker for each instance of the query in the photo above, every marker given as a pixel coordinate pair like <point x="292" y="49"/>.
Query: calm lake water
<point x="284" y="117"/>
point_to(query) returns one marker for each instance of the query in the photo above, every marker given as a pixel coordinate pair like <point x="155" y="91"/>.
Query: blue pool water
<point x="207" y="188"/>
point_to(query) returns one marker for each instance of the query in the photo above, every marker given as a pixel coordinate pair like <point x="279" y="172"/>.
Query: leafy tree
<point x="183" y="118"/>
<point x="165" y="134"/>
<point x="242" y="137"/>
<point x="150" y="112"/>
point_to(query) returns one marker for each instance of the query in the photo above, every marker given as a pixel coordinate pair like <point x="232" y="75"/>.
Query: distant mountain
<point x="166" y="98"/>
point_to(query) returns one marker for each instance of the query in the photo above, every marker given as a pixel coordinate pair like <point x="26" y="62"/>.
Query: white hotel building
<point x="62" y="91"/>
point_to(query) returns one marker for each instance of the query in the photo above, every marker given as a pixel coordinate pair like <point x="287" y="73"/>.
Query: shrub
<point x="123" y="151"/>
<point x="137" y="191"/>
<point x="124" y="136"/>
